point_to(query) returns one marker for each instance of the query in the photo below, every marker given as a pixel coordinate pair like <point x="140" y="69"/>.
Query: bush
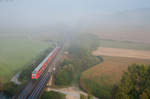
<point x="10" y="89"/>
<point x="96" y="89"/>
<point x="90" y="96"/>
<point x="1" y="85"/>
<point x="82" y="96"/>
<point x="53" y="95"/>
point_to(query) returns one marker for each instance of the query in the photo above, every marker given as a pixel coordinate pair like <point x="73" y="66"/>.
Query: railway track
<point x="34" y="88"/>
<point x="41" y="85"/>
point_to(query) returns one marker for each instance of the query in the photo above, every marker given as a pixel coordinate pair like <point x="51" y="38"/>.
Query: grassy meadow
<point x="15" y="52"/>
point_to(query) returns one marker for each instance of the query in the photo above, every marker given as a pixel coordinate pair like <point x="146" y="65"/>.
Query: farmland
<point x="131" y="53"/>
<point x="16" y="52"/>
<point x="107" y="74"/>
<point x="124" y="44"/>
<point x="100" y="80"/>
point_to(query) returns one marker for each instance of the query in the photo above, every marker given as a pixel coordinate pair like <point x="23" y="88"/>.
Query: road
<point x="34" y="88"/>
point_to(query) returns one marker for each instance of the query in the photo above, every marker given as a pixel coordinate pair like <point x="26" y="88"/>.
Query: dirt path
<point x="15" y="79"/>
<point x="70" y="92"/>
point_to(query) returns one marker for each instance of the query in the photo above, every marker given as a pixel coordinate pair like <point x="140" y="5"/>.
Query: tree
<point x="135" y="83"/>
<point x="65" y="75"/>
<point x="121" y="95"/>
<point x="144" y="96"/>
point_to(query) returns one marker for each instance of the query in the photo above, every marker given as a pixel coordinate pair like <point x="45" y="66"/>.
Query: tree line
<point x="79" y="50"/>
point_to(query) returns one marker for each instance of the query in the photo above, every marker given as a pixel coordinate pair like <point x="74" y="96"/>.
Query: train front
<point x="34" y="75"/>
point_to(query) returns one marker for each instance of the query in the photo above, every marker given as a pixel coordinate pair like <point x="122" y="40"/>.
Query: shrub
<point x="52" y="95"/>
<point x="82" y="96"/>
<point x="10" y="88"/>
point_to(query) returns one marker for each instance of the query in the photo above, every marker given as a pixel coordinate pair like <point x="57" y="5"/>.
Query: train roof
<point x="40" y="65"/>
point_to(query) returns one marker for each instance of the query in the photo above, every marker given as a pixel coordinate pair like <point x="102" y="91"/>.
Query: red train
<point x="42" y="66"/>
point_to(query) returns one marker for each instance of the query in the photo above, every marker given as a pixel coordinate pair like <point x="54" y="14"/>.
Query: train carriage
<point x="38" y="71"/>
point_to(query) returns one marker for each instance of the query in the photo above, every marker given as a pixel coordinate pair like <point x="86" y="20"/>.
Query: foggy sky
<point x="40" y="13"/>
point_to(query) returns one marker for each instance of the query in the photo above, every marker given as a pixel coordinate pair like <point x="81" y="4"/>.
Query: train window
<point x="33" y="75"/>
<point x="34" y="72"/>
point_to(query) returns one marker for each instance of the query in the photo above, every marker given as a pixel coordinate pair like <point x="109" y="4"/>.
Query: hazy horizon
<point x="106" y="18"/>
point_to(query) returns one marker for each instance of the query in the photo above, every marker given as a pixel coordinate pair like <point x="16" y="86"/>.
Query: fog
<point x="110" y="19"/>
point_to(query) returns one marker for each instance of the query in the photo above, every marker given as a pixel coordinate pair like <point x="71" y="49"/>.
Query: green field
<point x="124" y="44"/>
<point x="15" y="52"/>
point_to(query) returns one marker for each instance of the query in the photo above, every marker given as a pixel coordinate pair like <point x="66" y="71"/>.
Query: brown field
<point x="108" y="73"/>
<point x="112" y="68"/>
<point x="122" y="53"/>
